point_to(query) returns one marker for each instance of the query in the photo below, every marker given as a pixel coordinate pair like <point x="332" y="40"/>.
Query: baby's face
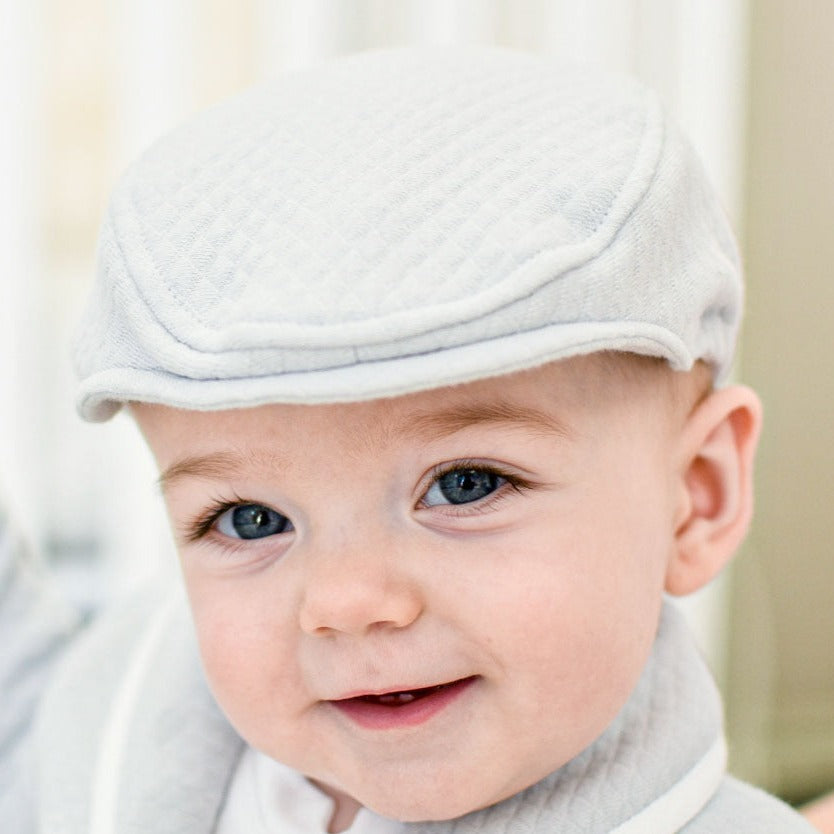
<point x="428" y="602"/>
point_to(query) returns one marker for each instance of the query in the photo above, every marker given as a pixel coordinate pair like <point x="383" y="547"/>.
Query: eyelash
<point x="201" y="526"/>
<point x="512" y="482"/>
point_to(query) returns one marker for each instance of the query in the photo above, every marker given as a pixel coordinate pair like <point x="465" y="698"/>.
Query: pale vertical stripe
<point x="21" y="271"/>
<point x="450" y="21"/>
<point x="154" y="89"/>
<point x="298" y="34"/>
<point x="79" y="137"/>
<point x="378" y="23"/>
<point x="656" y="47"/>
<point x="226" y="49"/>
<point x="156" y="56"/>
<point x="710" y="103"/>
<point x="671" y="56"/>
<point x="600" y="32"/>
<point x="712" y="90"/>
<point x="77" y="166"/>
<point x="522" y="23"/>
<point x="301" y="33"/>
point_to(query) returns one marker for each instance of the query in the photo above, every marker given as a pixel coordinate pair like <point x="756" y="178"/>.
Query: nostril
<point x="358" y="606"/>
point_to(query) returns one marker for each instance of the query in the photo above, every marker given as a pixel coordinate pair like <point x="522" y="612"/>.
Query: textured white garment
<point x="132" y="695"/>
<point x="179" y="754"/>
<point x="267" y="797"/>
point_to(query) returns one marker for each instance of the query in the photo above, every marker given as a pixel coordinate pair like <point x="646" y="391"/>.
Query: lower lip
<point x="379" y="717"/>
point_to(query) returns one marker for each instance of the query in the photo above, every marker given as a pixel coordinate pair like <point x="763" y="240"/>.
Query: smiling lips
<point x="403" y="708"/>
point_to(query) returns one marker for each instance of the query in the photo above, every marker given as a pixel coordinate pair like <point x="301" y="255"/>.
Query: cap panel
<point x="352" y="223"/>
<point x="239" y="227"/>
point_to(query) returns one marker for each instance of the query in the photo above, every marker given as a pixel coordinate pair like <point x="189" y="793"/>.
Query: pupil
<point x="253" y="522"/>
<point x="464" y="485"/>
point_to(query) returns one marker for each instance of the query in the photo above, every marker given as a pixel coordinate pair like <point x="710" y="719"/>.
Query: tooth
<point x="396" y="698"/>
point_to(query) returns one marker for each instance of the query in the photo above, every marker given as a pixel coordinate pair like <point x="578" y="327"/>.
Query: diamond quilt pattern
<point x="179" y="753"/>
<point x="393" y="205"/>
<point x="670" y="720"/>
<point x="270" y="204"/>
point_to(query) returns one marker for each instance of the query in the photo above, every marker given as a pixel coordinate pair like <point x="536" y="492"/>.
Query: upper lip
<point x="390" y="690"/>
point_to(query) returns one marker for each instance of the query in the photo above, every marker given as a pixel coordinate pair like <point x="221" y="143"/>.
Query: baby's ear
<point x="717" y="447"/>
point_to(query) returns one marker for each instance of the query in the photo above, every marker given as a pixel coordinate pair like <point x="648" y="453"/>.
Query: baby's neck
<point x="345" y="808"/>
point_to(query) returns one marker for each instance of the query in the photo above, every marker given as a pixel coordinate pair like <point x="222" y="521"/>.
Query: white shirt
<point x="267" y="797"/>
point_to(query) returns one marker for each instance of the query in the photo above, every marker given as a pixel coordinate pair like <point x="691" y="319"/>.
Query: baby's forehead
<point x="554" y="400"/>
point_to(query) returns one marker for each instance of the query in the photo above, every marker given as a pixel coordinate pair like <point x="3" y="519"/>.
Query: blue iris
<point x="254" y="521"/>
<point x="463" y="486"/>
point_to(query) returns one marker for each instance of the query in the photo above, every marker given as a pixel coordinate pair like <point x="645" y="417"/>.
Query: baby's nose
<point x="357" y="588"/>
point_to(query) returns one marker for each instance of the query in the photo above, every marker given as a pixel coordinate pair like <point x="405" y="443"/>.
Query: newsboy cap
<point x="402" y="220"/>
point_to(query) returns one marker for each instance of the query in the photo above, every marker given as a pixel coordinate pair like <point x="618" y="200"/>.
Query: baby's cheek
<point x="225" y="641"/>
<point x="222" y="657"/>
<point x="248" y="684"/>
<point x="595" y="632"/>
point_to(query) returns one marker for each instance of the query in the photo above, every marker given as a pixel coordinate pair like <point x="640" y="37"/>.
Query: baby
<point x="430" y="347"/>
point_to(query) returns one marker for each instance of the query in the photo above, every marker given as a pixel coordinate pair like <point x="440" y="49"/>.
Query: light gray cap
<point x="402" y="220"/>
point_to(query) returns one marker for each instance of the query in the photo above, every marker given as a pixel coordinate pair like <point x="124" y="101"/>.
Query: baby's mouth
<point x="398" y="699"/>
<point x="402" y="707"/>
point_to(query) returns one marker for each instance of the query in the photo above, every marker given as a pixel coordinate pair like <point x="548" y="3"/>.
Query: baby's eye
<point x="252" y="521"/>
<point x="462" y="486"/>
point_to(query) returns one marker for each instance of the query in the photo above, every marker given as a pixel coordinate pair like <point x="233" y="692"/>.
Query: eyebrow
<point x="424" y="425"/>
<point x="437" y="424"/>
<point x="216" y="466"/>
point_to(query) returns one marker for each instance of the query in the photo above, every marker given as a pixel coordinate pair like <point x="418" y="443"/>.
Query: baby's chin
<point x="416" y="808"/>
<point x="432" y="802"/>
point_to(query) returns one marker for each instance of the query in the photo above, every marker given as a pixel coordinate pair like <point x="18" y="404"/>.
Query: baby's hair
<point x="686" y="388"/>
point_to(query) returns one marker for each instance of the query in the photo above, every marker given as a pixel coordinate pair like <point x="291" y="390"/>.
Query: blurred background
<point x="85" y="85"/>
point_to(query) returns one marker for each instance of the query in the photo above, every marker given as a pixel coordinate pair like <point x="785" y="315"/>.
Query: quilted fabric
<point x="671" y="719"/>
<point x="176" y="754"/>
<point x="401" y="220"/>
<point x="162" y="771"/>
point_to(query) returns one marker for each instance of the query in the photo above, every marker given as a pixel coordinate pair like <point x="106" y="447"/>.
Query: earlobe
<point x="718" y="445"/>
